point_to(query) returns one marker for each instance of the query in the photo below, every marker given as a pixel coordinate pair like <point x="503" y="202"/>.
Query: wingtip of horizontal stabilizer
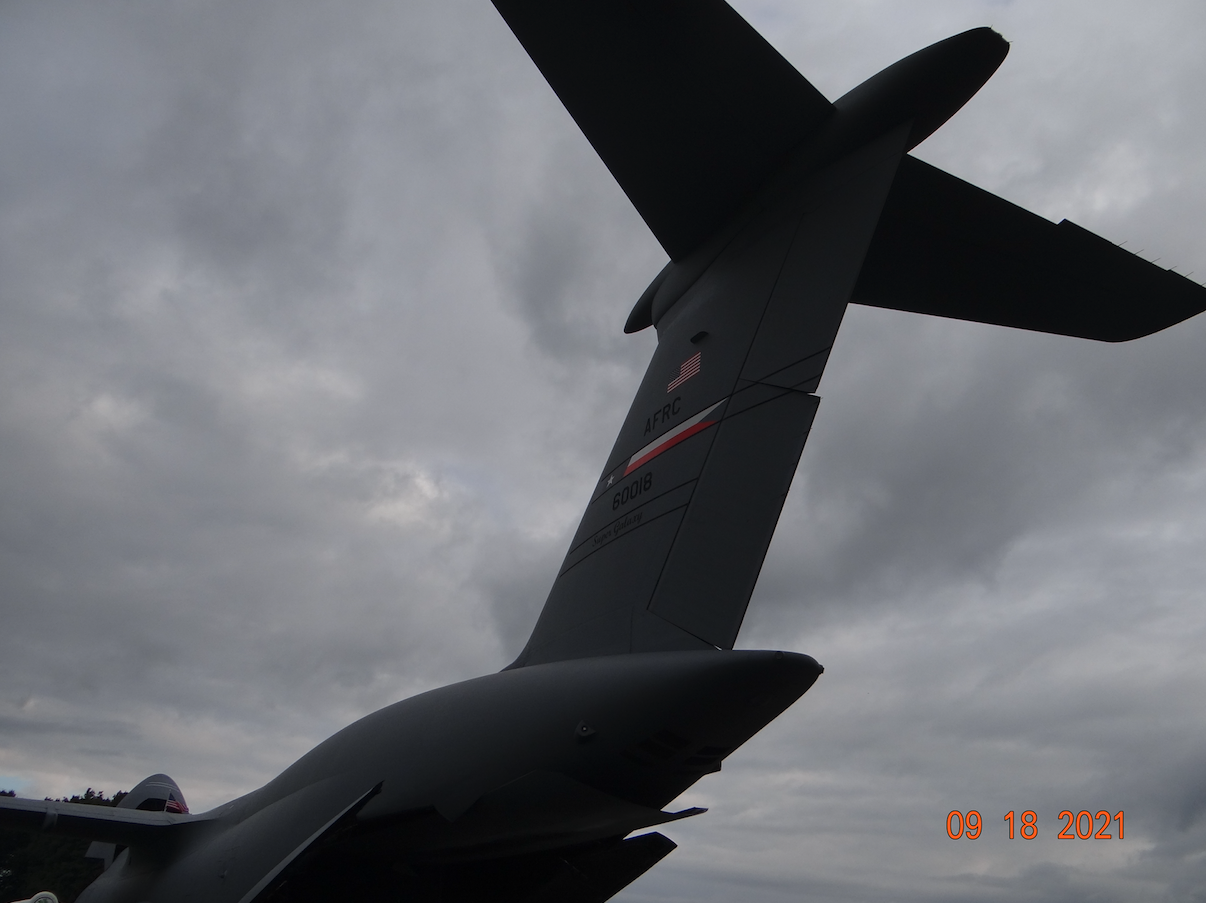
<point x="927" y="87"/>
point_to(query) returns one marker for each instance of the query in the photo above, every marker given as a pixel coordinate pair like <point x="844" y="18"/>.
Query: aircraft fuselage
<point x="510" y="764"/>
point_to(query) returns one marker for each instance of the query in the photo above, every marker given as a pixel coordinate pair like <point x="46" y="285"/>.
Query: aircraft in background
<point x="777" y="209"/>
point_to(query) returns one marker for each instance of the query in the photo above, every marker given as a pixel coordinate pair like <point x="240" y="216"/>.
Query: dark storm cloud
<point x="311" y="351"/>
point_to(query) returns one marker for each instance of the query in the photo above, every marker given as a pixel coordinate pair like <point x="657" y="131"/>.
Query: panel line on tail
<point x="668" y="502"/>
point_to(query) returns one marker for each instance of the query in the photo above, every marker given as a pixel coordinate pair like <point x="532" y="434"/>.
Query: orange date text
<point x="1083" y="825"/>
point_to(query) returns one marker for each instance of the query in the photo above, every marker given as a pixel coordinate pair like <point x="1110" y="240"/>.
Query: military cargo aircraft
<point x="777" y="208"/>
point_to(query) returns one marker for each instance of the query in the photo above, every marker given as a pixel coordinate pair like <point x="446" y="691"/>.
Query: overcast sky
<point x="311" y="352"/>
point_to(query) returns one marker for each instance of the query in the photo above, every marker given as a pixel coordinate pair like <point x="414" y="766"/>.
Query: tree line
<point x="31" y="861"/>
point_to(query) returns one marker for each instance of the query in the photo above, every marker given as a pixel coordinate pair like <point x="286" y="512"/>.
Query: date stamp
<point x="1082" y="825"/>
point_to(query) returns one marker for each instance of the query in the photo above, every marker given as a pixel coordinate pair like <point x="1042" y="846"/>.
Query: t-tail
<point x="777" y="208"/>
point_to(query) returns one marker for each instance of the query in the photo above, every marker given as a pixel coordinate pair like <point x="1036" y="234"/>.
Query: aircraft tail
<point x="777" y="208"/>
<point x="673" y="539"/>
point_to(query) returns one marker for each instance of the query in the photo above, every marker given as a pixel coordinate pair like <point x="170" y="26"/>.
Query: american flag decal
<point x="689" y="368"/>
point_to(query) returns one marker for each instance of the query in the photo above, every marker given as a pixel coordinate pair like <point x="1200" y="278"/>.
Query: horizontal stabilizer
<point x="947" y="248"/>
<point x="689" y="107"/>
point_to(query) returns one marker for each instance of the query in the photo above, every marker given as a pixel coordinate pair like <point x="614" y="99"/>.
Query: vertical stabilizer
<point x="672" y="541"/>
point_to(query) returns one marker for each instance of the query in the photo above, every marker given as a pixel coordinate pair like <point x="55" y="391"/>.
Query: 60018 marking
<point x="632" y="490"/>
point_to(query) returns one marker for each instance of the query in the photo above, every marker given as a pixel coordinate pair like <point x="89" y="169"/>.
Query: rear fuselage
<point x="546" y="757"/>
